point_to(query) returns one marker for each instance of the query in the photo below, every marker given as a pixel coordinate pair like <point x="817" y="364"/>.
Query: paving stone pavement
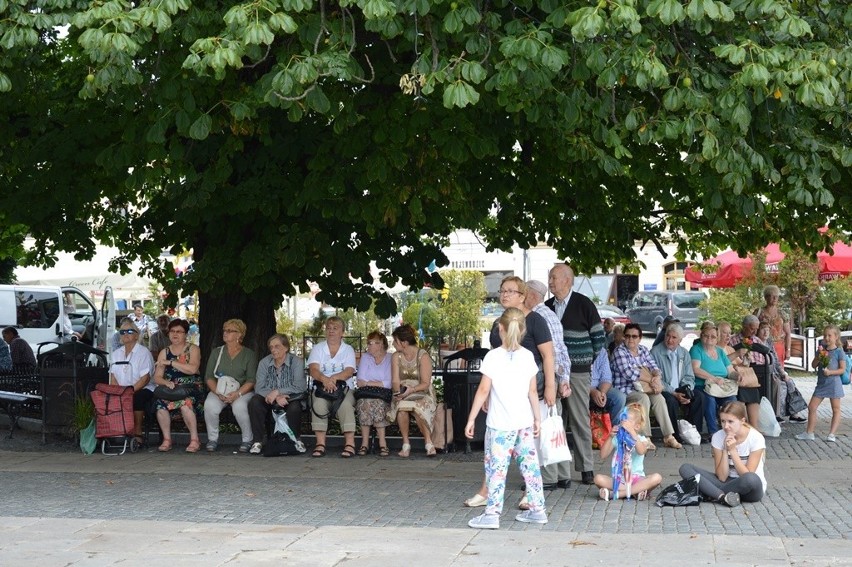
<point x="64" y="508"/>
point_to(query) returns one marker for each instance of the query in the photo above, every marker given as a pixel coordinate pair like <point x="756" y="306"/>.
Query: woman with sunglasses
<point x="133" y="365"/>
<point x="636" y="374"/>
<point x="178" y="365"/>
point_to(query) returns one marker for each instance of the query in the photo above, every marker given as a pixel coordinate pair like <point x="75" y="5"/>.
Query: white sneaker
<point x="256" y="448"/>
<point x="805" y="436"/>
<point x="485" y="522"/>
<point x="532" y="517"/>
<point x="831" y="438"/>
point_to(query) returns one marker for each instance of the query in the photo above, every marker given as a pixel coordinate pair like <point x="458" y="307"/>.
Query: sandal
<point x="363" y="451"/>
<point x="165" y="446"/>
<point x="406" y="451"/>
<point x="430" y="450"/>
<point x="604" y="493"/>
<point x="194" y="446"/>
<point x="384" y="452"/>
<point x="319" y="451"/>
<point x="524" y="504"/>
<point x="346" y="453"/>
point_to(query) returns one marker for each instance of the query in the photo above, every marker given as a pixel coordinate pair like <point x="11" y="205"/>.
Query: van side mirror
<point x="57" y="330"/>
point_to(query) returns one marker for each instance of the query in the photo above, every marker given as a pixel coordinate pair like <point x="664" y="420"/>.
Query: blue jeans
<point x="615" y="401"/>
<point x="711" y="408"/>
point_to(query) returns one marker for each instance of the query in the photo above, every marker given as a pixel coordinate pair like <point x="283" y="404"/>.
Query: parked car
<point x="612" y="311"/>
<point x="649" y="308"/>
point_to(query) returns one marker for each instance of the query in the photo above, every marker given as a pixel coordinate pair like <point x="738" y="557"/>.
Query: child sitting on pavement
<point x="628" y="462"/>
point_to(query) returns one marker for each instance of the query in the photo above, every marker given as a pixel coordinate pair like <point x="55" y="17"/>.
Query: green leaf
<point x="283" y="22"/>
<point x="453" y="22"/>
<point x="459" y="94"/>
<point x="5" y="83"/>
<point x="200" y="129"/>
<point x="317" y="100"/>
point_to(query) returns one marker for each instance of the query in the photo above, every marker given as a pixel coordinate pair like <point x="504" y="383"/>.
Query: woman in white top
<point x="509" y="384"/>
<point x="739" y="453"/>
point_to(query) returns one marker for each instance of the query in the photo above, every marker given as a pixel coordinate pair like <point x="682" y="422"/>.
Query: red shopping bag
<point x="601" y="427"/>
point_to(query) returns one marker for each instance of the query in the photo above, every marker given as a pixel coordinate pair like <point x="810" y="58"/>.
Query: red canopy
<point x="732" y="268"/>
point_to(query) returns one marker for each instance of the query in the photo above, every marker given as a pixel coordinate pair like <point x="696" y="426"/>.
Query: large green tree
<point x="286" y="140"/>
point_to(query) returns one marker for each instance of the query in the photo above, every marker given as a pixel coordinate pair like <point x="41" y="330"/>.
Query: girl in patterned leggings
<point x="509" y="385"/>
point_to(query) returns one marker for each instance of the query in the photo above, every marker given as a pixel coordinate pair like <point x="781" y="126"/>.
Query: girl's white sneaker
<point x="805" y="436"/>
<point x="485" y="522"/>
<point x="831" y="438"/>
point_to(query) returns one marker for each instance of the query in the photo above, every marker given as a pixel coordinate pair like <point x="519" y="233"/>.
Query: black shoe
<point x="549" y="486"/>
<point x="565" y="483"/>
<point x="730" y="499"/>
<point x="588" y="477"/>
<point x="798" y="419"/>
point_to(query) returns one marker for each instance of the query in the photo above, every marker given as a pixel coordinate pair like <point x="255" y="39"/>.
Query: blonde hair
<point x="238" y="325"/>
<point x="836" y="329"/>
<point x="514" y="326"/>
<point x="522" y="285"/>
<point x="636" y="413"/>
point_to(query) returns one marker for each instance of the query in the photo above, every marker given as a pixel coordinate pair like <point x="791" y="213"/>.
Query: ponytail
<point x="514" y="325"/>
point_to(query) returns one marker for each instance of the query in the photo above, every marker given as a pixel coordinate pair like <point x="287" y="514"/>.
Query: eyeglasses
<point x="631" y="336"/>
<point x="374" y="342"/>
<point x="126" y="332"/>
<point x="508" y="291"/>
<point x="230" y="331"/>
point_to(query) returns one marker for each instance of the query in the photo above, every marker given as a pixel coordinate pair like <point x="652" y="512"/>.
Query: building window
<point x="673" y="273"/>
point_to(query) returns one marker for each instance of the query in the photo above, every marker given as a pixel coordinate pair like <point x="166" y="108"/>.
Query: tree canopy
<point x="287" y="140"/>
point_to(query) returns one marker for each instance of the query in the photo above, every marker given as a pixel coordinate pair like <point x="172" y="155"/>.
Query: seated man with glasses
<point x="637" y="375"/>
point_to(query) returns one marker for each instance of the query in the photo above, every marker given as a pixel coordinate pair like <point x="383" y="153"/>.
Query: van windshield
<point x="687" y="300"/>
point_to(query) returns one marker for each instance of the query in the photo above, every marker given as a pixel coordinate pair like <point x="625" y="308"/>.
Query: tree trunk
<point x="257" y="311"/>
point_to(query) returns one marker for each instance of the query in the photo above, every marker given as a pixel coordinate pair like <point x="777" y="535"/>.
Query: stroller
<point x="114" y="418"/>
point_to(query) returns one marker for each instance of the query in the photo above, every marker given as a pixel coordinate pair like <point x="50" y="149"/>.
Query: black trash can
<point x="68" y="373"/>
<point x="460" y="384"/>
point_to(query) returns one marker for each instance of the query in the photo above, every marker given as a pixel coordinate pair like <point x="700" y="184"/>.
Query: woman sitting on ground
<point x="739" y="453"/>
<point x="411" y="377"/>
<point x="178" y="365"/>
<point x="132" y="365"/>
<point x="374" y="370"/>
<point x="280" y="384"/>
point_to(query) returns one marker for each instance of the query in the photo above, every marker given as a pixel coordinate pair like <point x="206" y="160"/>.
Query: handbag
<point x="601" y="426"/>
<point x="224" y="384"/>
<point x="682" y="493"/>
<point x="645" y="382"/>
<point x="552" y="442"/>
<point x="373" y="393"/>
<point x="795" y="401"/>
<point x="727" y="389"/>
<point x="179" y="392"/>
<point x="748" y="378"/>
<point x="336" y="398"/>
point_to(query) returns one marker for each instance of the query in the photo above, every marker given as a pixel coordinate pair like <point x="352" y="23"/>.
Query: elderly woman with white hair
<point x="779" y="324"/>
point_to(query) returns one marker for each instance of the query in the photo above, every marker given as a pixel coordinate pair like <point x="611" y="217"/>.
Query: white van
<point x="39" y="312"/>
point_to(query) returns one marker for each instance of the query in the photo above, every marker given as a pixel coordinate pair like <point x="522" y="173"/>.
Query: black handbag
<point x="335" y="397"/>
<point x="683" y="493"/>
<point x="373" y="393"/>
<point x="795" y="401"/>
<point x="338" y="394"/>
<point x="179" y="392"/>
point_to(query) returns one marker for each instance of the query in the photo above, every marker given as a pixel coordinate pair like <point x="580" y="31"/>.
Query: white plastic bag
<point x="552" y="442"/>
<point x="766" y="422"/>
<point x="688" y="433"/>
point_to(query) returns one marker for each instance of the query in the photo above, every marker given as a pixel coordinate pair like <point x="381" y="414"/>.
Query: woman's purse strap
<point x="218" y="359"/>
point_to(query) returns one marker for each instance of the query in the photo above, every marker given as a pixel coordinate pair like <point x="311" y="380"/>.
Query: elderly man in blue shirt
<point x="678" y="380"/>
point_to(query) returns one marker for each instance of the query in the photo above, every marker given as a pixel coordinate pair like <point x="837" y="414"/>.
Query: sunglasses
<point x="126" y="332"/>
<point x="631" y="336"/>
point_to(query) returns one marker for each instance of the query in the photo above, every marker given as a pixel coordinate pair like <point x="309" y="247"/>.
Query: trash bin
<point x="460" y="386"/>
<point x="68" y="372"/>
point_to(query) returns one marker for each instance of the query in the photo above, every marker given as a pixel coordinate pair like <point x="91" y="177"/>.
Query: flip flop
<point x="319" y="451"/>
